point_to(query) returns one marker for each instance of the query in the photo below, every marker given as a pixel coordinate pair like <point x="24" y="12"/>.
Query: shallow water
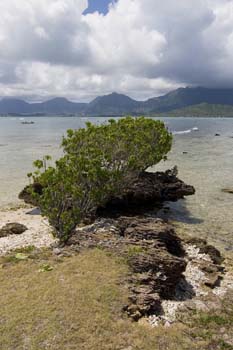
<point x="208" y="165"/>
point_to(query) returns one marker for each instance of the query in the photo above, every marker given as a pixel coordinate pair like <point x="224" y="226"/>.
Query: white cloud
<point x="141" y="47"/>
<point x="122" y="41"/>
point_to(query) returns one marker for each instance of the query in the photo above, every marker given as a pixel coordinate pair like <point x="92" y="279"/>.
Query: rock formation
<point x="148" y="191"/>
<point x="227" y="190"/>
<point x="26" y="193"/>
<point x="12" y="229"/>
<point x="157" y="259"/>
<point x="164" y="271"/>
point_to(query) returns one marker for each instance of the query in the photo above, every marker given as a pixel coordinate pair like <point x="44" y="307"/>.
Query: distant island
<point x="186" y="102"/>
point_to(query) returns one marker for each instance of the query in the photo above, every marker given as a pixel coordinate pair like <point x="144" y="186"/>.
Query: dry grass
<point x="76" y="306"/>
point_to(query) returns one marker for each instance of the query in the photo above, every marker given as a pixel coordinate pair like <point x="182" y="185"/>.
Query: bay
<point x="203" y="159"/>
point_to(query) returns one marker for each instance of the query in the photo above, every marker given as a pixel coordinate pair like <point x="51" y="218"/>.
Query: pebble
<point x="38" y="233"/>
<point x="190" y="294"/>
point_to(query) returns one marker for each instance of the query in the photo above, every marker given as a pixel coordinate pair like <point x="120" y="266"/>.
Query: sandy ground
<point x="39" y="233"/>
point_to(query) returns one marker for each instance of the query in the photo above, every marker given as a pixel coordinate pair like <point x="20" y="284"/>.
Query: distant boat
<point x="195" y="129"/>
<point x="30" y="122"/>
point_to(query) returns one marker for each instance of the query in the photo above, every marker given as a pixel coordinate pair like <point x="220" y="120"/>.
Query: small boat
<point x="30" y="122"/>
<point x="195" y="129"/>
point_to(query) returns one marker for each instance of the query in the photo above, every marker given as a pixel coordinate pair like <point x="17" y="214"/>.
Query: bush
<point x="98" y="162"/>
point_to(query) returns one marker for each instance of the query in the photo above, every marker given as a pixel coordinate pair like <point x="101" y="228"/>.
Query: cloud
<point x="140" y="47"/>
<point x="43" y="30"/>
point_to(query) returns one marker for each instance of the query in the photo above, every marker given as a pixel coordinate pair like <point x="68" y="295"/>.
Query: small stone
<point x="12" y="229"/>
<point x="57" y="251"/>
<point x="132" y="308"/>
<point x="136" y="316"/>
<point x="213" y="280"/>
<point x="227" y="190"/>
<point x="201" y="306"/>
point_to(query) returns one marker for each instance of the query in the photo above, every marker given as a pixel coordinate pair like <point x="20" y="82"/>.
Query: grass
<point x="135" y="250"/>
<point x="77" y="305"/>
<point x="216" y="328"/>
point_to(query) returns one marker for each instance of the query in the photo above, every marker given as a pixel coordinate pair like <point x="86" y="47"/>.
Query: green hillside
<point x="201" y="110"/>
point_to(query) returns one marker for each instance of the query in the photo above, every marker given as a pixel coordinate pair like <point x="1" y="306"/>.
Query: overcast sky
<point x="142" y="48"/>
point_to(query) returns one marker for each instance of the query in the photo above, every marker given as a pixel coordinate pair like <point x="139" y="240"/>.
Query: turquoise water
<point x="208" y="165"/>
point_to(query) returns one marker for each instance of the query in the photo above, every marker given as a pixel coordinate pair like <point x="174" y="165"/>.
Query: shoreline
<point x="115" y="116"/>
<point x="38" y="234"/>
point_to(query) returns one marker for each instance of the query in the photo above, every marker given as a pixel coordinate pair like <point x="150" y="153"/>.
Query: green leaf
<point x="46" y="268"/>
<point x="21" y="256"/>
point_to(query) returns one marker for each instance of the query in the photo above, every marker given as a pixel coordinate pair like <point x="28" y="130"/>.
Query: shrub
<point x="98" y="162"/>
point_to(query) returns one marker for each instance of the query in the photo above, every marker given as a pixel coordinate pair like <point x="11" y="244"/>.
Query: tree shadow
<point x="179" y="212"/>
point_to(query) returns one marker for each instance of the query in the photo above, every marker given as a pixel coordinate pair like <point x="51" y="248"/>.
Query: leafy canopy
<point x="99" y="161"/>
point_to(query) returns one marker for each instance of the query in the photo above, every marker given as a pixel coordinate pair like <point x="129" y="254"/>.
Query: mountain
<point x="211" y="102"/>
<point x="184" y="97"/>
<point x="113" y="104"/>
<point x="59" y="105"/>
<point x="200" y="110"/>
<point x="11" y="105"/>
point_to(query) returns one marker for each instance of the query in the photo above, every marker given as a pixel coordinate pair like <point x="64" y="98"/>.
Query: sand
<point x="39" y="233"/>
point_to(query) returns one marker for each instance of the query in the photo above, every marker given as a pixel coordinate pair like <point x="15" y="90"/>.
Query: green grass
<point x="78" y="305"/>
<point x="134" y="250"/>
<point x="219" y="320"/>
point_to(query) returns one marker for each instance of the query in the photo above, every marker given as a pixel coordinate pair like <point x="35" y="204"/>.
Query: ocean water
<point x="207" y="165"/>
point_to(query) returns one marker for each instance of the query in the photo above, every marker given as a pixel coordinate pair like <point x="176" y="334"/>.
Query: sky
<point x="142" y="48"/>
<point x="97" y="5"/>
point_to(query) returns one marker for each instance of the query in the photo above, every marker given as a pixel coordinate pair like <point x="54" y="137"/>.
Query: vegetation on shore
<point x="200" y="111"/>
<point x="99" y="162"/>
<point x="63" y="300"/>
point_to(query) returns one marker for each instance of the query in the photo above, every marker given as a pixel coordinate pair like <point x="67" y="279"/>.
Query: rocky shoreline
<point x="148" y="191"/>
<point x="167" y="275"/>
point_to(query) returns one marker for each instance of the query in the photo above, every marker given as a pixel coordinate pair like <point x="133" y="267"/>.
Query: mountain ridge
<point x="116" y="104"/>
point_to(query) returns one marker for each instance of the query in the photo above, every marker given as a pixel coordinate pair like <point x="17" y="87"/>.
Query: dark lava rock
<point x="213" y="273"/>
<point x="157" y="266"/>
<point x="12" y="229"/>
<point x="227" y="190"/>
<point x="26" y="193"/>
<point x="205" y="248"/>
<point x="143" y="301"/>
<point x="156" y="260"/>
<point x="156" y="231"/>
<point x="148" y="191"/>
<point x="164" y="270"/>
<point x="154" y="254"/>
